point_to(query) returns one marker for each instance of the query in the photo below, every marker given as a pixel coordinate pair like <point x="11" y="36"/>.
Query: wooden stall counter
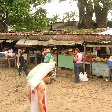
<point x="8" y="60"/>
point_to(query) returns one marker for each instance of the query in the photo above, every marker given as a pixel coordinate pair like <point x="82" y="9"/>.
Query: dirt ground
<point x="63" y="95"/>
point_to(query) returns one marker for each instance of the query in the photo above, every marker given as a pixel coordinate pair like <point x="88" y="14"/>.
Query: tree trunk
<point x="3" y="27"/>
<point x="101" y="15"/>
<point x="89" y="14"/>
<point x="81" y="6"/>
<point x="89" y="23"/>
<point x="101" y="19"/>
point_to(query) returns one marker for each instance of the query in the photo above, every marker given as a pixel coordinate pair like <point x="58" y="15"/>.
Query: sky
<point x="59" y="8"/>
<point x="55" y="7"/>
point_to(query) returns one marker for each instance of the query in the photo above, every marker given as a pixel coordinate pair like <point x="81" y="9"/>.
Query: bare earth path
<point x="62" y="96"/>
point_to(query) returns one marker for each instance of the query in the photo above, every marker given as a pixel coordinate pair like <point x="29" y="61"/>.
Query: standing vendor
<point x="48" y="57"/>
<point x="78" y="64"/>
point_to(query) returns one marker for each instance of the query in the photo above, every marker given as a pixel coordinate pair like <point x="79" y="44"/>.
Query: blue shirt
<point x="48" y="58"/>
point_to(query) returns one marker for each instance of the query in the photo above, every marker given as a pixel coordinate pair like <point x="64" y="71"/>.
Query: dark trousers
<point x="24" y="68"/>
<point x="110" y="73"/>
<point x="78" y="67"/>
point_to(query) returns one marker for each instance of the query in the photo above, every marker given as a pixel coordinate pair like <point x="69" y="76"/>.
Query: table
<point x="88" y="67"/>
<point x="8" y="61"/>
<point x="65" y="61"/>
<point x="32" y="57"/>
<point x="100" y="69"/>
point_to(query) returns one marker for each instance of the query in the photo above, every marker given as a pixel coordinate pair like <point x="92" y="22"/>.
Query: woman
<point x="78" y="64"/>
<point x="48" y="57"/>
<point x="21" y="63"/>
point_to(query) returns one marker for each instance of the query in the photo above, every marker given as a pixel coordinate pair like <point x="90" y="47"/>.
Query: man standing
<point x="38" y="95"/>
<point x="78" y="64"/>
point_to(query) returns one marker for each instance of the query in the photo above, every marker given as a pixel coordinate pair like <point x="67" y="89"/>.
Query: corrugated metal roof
<point x="9" y="41"/>
<point x="25" y="42"/>
<point x="1" y="41"/>
<point x="107" y="32"/>
<point x="68" y="42"/>
<point x="31" y="42"/>
<point x="21" y="42"/>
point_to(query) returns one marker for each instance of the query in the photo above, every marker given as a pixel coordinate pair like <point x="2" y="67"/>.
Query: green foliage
<point x="41" y="21"/>
<point x="55" y="18"/>
<point x="38" y="2"/>
<point x="17" y="14"/>
<point x="69" y="16"/>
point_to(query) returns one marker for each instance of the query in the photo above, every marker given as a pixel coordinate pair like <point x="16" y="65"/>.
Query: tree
<point x="89" y="13"/>
<point x="68" y="16"/>
<point x="41" y="21"/>
<point x="55" y="18"/>
<point x="81" y="6"/>
<point x="101" y="8"/>
<point x="88" y="7"/>
<point x="86" y="10"/>
<point x="17" y="14"/>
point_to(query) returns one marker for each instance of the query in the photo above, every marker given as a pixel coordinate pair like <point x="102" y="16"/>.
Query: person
<point x="78" y="64"/>
<point x="48" y="57"/>
<point x="37" y="95"/>
<point x="110" y="68"/>
<point x="10" y="51"/>
<point x="21" y="63"/>
<point x="43" y="54"/>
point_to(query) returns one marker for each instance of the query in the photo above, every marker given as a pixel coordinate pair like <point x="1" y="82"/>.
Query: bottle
<point x="81" y="76"/>
<point x="85" y="76"/>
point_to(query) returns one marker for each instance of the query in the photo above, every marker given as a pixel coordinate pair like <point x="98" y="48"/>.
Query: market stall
<point x="65" y="55"/>
<point x="65" y="61"/>
<point x="97" y="49"/>
<point x="99" y="59"/>
<point x="7" y="59"/>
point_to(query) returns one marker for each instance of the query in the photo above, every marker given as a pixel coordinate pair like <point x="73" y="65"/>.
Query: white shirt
<point x="34" y="99"/>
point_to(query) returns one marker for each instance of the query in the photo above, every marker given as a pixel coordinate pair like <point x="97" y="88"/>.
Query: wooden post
<point x="84" y="56"/>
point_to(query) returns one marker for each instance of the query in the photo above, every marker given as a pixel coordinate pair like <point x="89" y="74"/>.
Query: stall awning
<point x="25" y="42"/>
<point x="1" y="41"/>
<point x="67" y="42"/>
<point x="107" y="32"/>
<point x="21" y="42"/>
<point x="9" y="41"/>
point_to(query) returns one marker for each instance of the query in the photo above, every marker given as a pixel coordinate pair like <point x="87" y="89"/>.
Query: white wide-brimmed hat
<point x="48" y="50"/>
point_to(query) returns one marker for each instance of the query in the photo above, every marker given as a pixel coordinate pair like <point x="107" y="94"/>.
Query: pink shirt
<point x="80" y="56"/>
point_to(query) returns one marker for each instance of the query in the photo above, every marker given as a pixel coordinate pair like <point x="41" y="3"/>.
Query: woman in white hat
<point x="48" y="57"/>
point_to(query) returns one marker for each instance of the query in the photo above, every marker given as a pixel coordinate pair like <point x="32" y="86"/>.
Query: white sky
<point x="55" y="7"/>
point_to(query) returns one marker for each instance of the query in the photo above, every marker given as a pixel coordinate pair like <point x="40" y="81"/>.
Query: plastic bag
<point x="39" y="72"/>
